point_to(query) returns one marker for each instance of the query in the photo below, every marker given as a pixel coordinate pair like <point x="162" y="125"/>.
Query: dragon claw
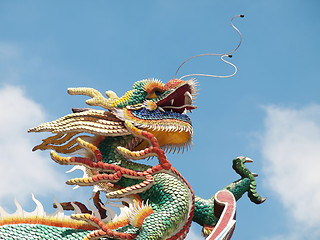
<point x="248" y="160"/>
<point x="245" y="173"/>
<point x="263" y="199"/>
<point x="244" y="159"/>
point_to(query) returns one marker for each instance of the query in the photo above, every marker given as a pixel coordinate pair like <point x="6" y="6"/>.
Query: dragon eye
<point x="158" y="93"/>
<point x="154" y="93"/>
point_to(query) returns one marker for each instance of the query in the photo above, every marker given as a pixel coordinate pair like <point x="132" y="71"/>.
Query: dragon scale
<point x="157" y="202"/>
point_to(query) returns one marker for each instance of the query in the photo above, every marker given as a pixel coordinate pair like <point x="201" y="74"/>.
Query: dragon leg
<point x="247" y="183"/>
<point x="108" y="178"/>
<point x="204" y="208"/>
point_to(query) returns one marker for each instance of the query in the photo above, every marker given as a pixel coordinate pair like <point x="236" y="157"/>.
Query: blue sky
<point x="269" y="111"/>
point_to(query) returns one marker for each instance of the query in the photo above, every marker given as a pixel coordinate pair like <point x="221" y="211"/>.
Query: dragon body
<point x="157" y="202"/>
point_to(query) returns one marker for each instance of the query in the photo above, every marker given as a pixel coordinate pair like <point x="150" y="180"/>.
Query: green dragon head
<point x="160" y="109"/>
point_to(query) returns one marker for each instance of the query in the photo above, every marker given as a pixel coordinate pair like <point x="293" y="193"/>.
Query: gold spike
<point x="52" y="142"/>
<point x="96" y="97"/>
<point x="111" y="94"/>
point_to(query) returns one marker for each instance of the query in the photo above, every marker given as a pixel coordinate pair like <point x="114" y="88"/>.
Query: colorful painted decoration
<point x="156" y="202"/>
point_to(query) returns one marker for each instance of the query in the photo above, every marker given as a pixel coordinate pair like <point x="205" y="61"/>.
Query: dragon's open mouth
<point x="180" y="100"/>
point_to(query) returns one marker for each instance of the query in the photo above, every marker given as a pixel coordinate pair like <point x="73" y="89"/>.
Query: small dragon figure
<point x="156" y="201"/>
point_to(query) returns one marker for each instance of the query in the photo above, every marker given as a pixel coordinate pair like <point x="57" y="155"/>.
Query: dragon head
<point x="158" y="108"/>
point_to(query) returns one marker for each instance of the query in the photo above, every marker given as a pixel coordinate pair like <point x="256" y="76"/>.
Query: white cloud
<point x="22" y="171"/>
<point x="291" y="152"/>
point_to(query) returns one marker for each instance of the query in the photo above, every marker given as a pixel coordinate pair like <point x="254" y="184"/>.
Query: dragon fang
<point x="156" y="202"/>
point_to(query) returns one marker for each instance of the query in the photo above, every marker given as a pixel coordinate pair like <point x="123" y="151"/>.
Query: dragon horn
<point x="96" y="97"/>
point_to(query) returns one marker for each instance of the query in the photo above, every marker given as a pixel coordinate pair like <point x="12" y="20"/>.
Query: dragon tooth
<point x="161" y="109"/>
<point x="172" y="101"/>
<point x="187" y="98"/>
<point x="185" y="111"/>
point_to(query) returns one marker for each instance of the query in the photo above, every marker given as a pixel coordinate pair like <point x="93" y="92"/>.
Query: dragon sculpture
<point x="156" y="201"/>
